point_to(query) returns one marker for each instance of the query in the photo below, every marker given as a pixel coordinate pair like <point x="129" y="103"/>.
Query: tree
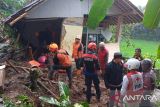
<point x="8" y="7"/>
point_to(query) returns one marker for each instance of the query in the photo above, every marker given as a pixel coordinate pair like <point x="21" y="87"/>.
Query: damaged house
<point x="44" y="21"/>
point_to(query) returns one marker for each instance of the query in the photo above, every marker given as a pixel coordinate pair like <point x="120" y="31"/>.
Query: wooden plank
<point x="17" y="19"/>
<point x="12" y="66"/>
<point x="41" y="84"/>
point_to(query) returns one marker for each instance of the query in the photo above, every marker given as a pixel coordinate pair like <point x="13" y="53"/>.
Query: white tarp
<point x="107" y="34"/>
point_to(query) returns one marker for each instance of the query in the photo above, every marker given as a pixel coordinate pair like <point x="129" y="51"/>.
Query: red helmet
<point x="92" y="46"/>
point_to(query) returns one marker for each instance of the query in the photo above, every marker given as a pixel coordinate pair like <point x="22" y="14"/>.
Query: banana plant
<point x="64" y="100"/>
<point x="152" y="14"/>
<point x="98" y="12"/>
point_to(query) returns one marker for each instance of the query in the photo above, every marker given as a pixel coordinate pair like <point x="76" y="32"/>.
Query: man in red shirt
<point x="102" y="56"/>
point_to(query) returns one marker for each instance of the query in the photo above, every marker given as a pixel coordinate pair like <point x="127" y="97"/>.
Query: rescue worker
<point x="113" y="77"/>
<point x="77" y="52"/>
<point x="137" y="54"/>
<point x="132" y="85"/>
<point x="103" y="57"/>
<point x="91" y="71"/>
<point x="59" y="59"/>
<point x="34" y="74"/>
<point x="149" y="78"/>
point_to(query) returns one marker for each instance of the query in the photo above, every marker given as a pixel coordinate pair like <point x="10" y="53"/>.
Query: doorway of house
<point x="39" y="33"/>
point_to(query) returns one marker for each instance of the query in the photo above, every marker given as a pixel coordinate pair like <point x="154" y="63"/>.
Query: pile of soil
<point x="16" y="83"/>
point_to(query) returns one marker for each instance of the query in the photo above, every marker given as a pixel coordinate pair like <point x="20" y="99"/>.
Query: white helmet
<point x="101" y="44"/>
<point x="78" y="37"/>
<point x="133" y="64"/>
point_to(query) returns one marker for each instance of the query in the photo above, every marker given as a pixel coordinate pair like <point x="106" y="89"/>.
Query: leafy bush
<point x="9" y="103"/>
<point x="23" y="101"/>
<point x="64" y="100"/>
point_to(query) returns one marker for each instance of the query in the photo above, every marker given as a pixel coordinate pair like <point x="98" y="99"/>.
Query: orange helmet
<point x="92" y="46"/>
<point x="53" y="47"/>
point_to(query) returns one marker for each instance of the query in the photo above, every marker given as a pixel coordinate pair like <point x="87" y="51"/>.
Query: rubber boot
<point x="70" y="83"/>
<point x="88" y="100"/>
<point x="50" y="74"/>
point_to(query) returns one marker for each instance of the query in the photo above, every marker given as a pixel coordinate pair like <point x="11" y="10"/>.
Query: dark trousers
<point x="57" y="67"/>
<point x="112" y="95"/>
<point x="78" y="63"/>
<point x="88" y="82"/>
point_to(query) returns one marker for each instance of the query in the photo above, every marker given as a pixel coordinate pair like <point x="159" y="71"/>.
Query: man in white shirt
<point x="132" y="86"/>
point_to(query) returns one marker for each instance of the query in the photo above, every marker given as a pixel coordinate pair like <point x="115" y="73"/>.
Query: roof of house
<point x="130" y="13"/>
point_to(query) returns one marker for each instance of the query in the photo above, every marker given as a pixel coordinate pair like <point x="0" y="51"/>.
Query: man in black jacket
<point x="113" y="77"/>
<point x="91" y="71"/>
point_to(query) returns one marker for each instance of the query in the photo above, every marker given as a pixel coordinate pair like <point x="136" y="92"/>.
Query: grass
<point x="149" y="48"/>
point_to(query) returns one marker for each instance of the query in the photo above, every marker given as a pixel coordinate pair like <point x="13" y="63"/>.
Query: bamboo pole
<point x="13" y="66"/>
<point x="41" y="84"/>
<point x="17" y="19"/>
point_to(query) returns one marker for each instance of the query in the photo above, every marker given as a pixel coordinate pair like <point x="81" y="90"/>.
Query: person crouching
<point x="59" y="59"/>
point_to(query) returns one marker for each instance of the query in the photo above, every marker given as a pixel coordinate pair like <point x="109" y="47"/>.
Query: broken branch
<point x="13" y="66"/>
<point x="41" y="84"/>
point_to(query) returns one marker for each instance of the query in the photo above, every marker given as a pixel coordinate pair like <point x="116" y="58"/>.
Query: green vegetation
<point x="152" y="14"/>
<point x="98" y="12"/>
<point x="8" y="7"/>
<point x="23" y="101"/>
<point x="158" y="52"/>
<point x="149" y="48"/>
<point x="138" y="31"/>
<point x="64" y="100"/>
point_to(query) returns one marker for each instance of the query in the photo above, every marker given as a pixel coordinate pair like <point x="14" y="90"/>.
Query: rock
<point x="156" y="96"/>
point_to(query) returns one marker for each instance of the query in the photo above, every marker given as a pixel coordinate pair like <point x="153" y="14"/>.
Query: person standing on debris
<point x="91" y="71"/>
<point x="103" y="57"/>
<point x="59" y="59"/>
<point x="132" y="85"/>
<point x="113" y="77"/>
<point x="138" y="54"/>
<point x="77" y="52"/>
<point x="149" y="78"/>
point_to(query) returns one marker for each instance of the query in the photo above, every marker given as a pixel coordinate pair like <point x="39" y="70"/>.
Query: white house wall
<point x="59" y="8"/>
<point x="65" y="8"/>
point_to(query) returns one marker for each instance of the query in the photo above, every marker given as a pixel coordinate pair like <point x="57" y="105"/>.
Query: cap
<point x="117" y="55"/>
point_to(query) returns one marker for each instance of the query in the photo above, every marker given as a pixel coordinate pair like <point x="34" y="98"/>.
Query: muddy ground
<point x="17" y="84"/>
